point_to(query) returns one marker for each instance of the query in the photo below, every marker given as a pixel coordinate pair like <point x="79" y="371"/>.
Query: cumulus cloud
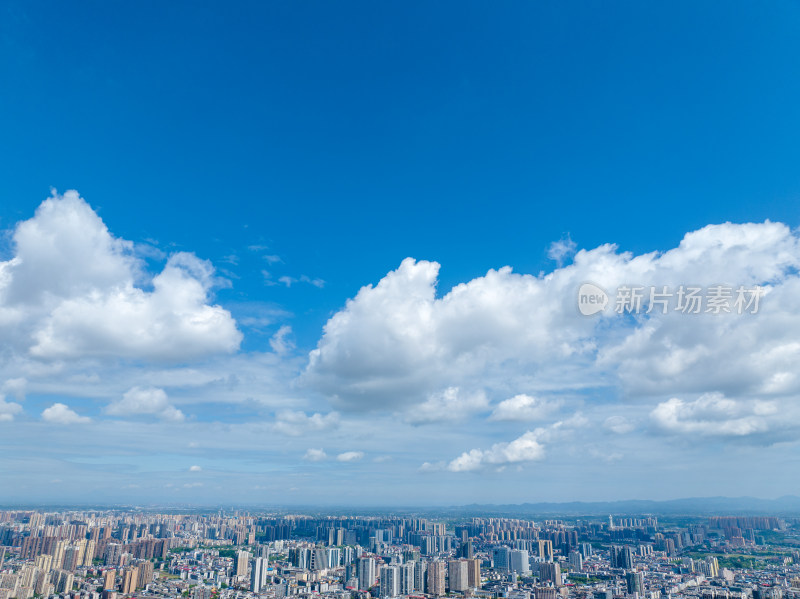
<point x="561" y="250"/>
<point x="8" y="409"/>
<point x="350" y="456"/>
<point x="525" y="448"/>
<point x="15" y="387"/>
<point x="523" y="407"/>
<point x="195" y="469"/>
<point x="395" y="343"/>
<point x="449" y="405"/>
<point x="280" y="341"/>
<point x="398" y="342"/>
<point x="60" y="413"/>
<point x="315" y="455"/>
<point x="73" y="290"/>
<point x="150" y="401"/>
<point x="296" y="423"/>
<point x="618" y="424"/>
<point x="713" y="414"/>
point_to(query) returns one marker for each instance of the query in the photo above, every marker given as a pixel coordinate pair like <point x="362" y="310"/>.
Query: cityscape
<point x="94" y="554"/>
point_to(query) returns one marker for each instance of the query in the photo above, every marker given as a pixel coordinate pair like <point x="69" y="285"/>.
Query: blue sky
<point x="265" y="161"/>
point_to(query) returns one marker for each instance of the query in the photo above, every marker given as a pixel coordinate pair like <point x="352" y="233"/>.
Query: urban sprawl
<point x="118" y="554"/>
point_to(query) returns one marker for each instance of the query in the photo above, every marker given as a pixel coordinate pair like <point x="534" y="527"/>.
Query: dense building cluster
<point x="241" y="555"/>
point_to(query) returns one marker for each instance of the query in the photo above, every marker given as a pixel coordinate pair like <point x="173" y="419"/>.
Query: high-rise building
<point x="713" y="566"/>
<point x="242" y="560"/>
<point x="366" y="573"/>
<point x="319" y="558"/>
<point x="545" y="593"/>
<point x="546" y="549"/>
<point x="81" y="552"/>
<point x="550" y="572"/>
<point x="635" y="582"/>
<point x="474" y="573"/>
<point x="501" y="557"/>
<point x="88" y="555"/>
<point x="130" y="579"/>
<point x="64" y="581"/>
<point x="71" y="558"/>
<point x="575" y="561"/>
<point x="621" y="557"/>
<point x="43" y="583"/>
<point x="458" y="575"/>
<point x="407" y="578"/>
<point x="58" y="554"/>
<point x="466" y="550"/>
<point x="519" y="562"/>
<point x="421" y="576"/>
<point x="436" y="578"/>
<point x="44" y="562"/>
<point x="259" y="574"/>
<point x="109" y="579"/>
<point x="145" y="574"/>
<point x="334" y="557"/>
<point x="390" y="581"/>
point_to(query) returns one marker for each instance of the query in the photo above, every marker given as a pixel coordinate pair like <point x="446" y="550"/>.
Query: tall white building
<point x="390" y="581"/>
<point x="242" y="559"/>
<point x="420" y="572"/>
<point x="258" y="574"/>
<point x="407" y="578"/>
<point x="458" y="577"/>
<point x="366" y="573"/>
<point x="334" y="557"/>
<point x="520" y="562"/>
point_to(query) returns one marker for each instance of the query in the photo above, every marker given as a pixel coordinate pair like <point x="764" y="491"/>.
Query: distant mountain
<point x="787" y="505"/>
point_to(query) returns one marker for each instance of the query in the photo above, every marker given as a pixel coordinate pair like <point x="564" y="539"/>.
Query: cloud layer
<point x="72" y="290"/>
<point x="498" y="374"/>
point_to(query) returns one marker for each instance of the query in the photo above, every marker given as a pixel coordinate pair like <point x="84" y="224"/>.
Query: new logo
<point x="591" y="299"/>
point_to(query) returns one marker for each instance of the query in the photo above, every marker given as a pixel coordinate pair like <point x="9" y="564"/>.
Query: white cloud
<point x="76" y="291"/>
<point x="289" y="281"/>
<point x="523" y="407"/>
<point x="449" y="405"/>
<point x="561" y="249"/>
<point x="145" y="401"/>
<point x="713" y="414"/>
<point x="618" y="424"/>
<point x="280" y="341"/>
<point x="8" y="409"/>
<point x="15" y="387"/>
<point x="195" y="469"/>
<point x="525" y="448"/>
<point x="296" y="423"/>
<point x="350" y="456"/>
<point x="311" y="281"/>
<point x="315" y="455"/>
<point x="396" y="343"/>
<point x="60" y="413"/>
